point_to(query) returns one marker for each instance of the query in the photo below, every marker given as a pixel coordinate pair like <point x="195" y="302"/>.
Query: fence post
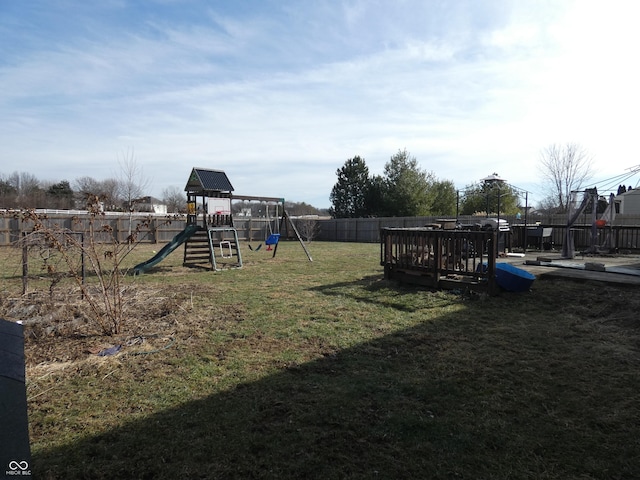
<point x="25" y="268"/>
<point x="116" y="232"/>
<point x="154" y="223"/>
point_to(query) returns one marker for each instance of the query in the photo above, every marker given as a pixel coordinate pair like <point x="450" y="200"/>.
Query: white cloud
<point x="281" y="100"/>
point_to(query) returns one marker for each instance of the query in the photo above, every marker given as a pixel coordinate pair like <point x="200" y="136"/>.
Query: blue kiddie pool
<point x="513" y="279"/>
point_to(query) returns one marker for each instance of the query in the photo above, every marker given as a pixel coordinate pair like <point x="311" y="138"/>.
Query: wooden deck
<point x="617" y="269"/>
<point x="435" y="258"/>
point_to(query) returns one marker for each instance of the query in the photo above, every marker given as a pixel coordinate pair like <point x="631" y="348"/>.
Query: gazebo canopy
<point x="494" y="177"/>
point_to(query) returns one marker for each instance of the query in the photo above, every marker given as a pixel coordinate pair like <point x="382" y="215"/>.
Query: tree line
<point x="404" y="189"/>
<point x="119" y="193"/>
<point x="24" y="190"/>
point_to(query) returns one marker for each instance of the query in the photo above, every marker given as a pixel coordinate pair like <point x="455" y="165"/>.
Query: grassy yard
<point x="292" y="369"/>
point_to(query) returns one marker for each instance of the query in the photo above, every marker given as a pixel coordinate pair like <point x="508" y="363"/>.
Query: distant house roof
<point x="152" y="200"/>
<point x="203" y="180"/>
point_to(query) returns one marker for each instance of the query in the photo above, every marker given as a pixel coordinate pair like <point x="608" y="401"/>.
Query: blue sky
<point x="280" y="94"/>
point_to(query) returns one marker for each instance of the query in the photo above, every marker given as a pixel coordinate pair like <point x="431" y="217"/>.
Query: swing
<point x="273" y="238"/>
<point x="259" y="246"/>
<point x="265" y="232"/>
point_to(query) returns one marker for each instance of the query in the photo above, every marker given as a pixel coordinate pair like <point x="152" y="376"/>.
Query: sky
<point x="281" y="93"/>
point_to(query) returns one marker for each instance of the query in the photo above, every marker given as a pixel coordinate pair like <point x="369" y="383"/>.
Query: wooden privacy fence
<point x="440" y="258"/>
<point x="151" y="229"/>
<point x="616" y="237"/>
<point x="623" y="234"/>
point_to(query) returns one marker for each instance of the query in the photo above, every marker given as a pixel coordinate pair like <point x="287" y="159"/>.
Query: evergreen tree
<point x="406" y="186"/>
<point x="349" y="194"/>
<point x="8" y="194"/>
<point x="375" y="197"/>
<point x="60" y="195"/>
<point x="443" y="198"/>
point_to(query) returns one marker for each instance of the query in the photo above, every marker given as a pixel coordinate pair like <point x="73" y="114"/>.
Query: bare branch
<point x="132" y="182"/>
<point x="564" y="168"/>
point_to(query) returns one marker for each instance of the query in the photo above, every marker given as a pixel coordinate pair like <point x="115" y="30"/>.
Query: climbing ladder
<point x="213" y="248"/>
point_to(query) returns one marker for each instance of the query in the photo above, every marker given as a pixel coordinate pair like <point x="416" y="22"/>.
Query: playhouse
<point x="209" y="218"/>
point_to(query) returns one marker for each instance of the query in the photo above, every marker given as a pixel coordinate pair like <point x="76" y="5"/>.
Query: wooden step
<point x="193" y="248"/>
<point x="197" y="249"/>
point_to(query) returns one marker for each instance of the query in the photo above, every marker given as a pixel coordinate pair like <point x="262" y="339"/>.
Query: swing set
<point x="274" y="226"/>
<point x="210" y="237"/>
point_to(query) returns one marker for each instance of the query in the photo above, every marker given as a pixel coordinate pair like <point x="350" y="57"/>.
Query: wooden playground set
<point x="210" y="239"/>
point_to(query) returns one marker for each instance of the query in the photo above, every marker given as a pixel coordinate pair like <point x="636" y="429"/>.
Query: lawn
<point x="294" y="369"/>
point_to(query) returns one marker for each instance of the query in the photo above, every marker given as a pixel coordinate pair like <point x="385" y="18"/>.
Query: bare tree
<point x="175" y="199"/>
<point x="564" y="169"/>
<point x="25" y="183"/>
<point x="29" y="191"/>
<point x="86" y="187"/>
<point x="308" y="228"/>
<point x="132" y="183"/>
<point x="106" y="190"/>
<point x="110" y="189"/>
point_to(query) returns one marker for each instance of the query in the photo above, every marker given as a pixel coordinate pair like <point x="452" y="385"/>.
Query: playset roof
<point x="203" y="180"/>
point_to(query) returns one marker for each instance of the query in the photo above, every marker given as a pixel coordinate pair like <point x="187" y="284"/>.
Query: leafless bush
<point x="103" y="256"/>
<point x="308" y="228"/>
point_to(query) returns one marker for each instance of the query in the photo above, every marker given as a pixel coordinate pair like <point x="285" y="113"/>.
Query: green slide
<point x="178" y="240"/>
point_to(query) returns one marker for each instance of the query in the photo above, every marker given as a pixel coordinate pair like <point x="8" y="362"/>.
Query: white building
<point x="628" y="202"/>
<point x="152" y="205"/>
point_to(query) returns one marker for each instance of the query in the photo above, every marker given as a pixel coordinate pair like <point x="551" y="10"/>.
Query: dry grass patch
<point x="286" y="369"/>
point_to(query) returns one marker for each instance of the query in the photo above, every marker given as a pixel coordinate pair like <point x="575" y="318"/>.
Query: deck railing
<point x="440" y="258"/>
